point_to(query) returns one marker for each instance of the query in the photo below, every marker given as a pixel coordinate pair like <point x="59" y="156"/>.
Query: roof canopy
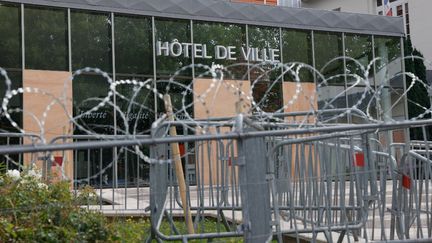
<point x="244" y="13"/>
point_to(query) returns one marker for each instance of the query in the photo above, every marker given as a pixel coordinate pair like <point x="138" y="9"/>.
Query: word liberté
<point x="176" y="49"/>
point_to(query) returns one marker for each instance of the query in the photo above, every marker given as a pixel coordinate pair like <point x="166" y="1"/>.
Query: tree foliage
<point x="418" y="98"/>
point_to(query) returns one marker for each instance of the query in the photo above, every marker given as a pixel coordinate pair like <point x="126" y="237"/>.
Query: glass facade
<point x="46" y="44"/>
<point x="140" y="47"/>
<point x="91" y="40"/>
<point x="266" y="79"/>
<point x="10" y="42"/>
<point x="297" y="49"/>
<point x="11" y="62"/>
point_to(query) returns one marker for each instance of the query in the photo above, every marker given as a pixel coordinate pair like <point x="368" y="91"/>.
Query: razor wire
<point x="219" y="75"/>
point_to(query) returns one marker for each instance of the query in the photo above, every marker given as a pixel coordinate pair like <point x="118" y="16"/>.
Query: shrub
<point x="34" y="211"/>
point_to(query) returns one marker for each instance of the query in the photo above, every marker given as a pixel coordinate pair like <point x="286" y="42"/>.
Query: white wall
<point x="354" y="6"/>
<point x="421" y="26"/>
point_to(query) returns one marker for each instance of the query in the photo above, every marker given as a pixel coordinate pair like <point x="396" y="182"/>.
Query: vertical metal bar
<point x="282" y="67"/>
<point x="88" y="173"/>
<point x="126" y="174"/>
<point x="20" y="156"/>
<point x="247" y="49"/>
<point x="69" y="39"/>
<point x="427" y="184"/>
<point x="75" y="171"/>
<point x="374" y="72"/>
<point x="160" y="175"/>
<point x="313" y="57"/>
<point x="138" y="178"/>
<point x="22" y="40"/>
<point x="6" y="156"/>
<point x="154" y="67"/>
<point x="113" y="62"/>
<point x="88" y="166"/>
<point x="405" y="88"/>
<point x="23" y="69"/>
<point x="253" y="171"/>
<point x="281" y="56"/>
<point x="113" y="176"/>
<point x="347" y="105"/>
<point x="193" y="53"/>
<point x="100" y="177"/>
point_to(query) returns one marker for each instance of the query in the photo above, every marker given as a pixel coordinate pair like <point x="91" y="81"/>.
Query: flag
<point x="387" y="8"/>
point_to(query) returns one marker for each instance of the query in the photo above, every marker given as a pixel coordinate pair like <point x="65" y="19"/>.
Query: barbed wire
<point x="223" y="80"/>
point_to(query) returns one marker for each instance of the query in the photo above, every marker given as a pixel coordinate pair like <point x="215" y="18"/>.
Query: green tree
<point x="418" y="97"/>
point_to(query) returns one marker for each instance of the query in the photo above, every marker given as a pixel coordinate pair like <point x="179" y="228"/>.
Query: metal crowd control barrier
<point x="118" y="174"/>
<point x="15" y="161"/>
<point x="263" y="180"/>
<point x="337" y="183"/>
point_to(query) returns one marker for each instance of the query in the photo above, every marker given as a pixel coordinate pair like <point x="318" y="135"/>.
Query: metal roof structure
<point x="242" y="13"/>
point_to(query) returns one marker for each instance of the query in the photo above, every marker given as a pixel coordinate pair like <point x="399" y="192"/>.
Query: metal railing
<point x="258" y="180"/>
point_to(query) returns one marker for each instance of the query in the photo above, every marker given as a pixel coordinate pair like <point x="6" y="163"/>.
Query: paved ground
<point x="134" y="201"/>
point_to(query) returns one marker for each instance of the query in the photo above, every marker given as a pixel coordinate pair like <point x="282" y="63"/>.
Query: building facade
<point x="45" y="42"/>
<point x="415" y="14"/>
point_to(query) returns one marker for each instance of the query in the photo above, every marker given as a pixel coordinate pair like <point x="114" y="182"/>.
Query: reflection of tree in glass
<point x="263" y="76"/>
<point x="213" y="34"/>
<point x="46" y="45"/>
<point x="358" y="47"/>
<point x="297" y="47"/>
<point x="327" y="47"/>
<point x="133" y="45"/>
<point x="167" y="30"/>
<point x="91" y="40"/>
<point x="10" y="41"/>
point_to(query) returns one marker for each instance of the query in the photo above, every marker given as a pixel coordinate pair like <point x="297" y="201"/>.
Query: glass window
<point x="11" y="161"/>
<point x="91" y="40"/>
<point x="10" y="41"/>
<point x="133" y="45"/>
<point x="168" y="31"/>
<point x="88" y="91"/>
<point x="137" y="105"/>
<point x="379" y="3"/>
<point x="329" y="98"/>
<point x="389" y="63"/>
<point x="223" y="43"/>
<point x="392" y="105"/>
<point x="328" y="57"/>
<point x="329" y="62"/>
<point x="364" y="100"/>
<point x="399" y="10"/>
<point x="14" y="103"/>
<point x="359" y="48"/>
<point x="46" y="39"/>
<point x="264" y="44"/>
<point x="178" y="89"/>
<point x="297" y="47"/>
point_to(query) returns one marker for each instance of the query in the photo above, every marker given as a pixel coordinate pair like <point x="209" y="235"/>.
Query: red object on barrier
<point x="359" y="159"/>
<point x="58" y="160"/>
<point x="406" y="181"/>
<point x="182" y="149"/>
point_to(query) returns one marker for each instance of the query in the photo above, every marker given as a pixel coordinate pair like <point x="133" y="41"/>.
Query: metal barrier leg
<point x="254" y="188"/>
<point x="158" y="182"/>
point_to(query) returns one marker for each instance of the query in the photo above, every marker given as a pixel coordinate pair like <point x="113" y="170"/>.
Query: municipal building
<point x="44" y="42"/>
